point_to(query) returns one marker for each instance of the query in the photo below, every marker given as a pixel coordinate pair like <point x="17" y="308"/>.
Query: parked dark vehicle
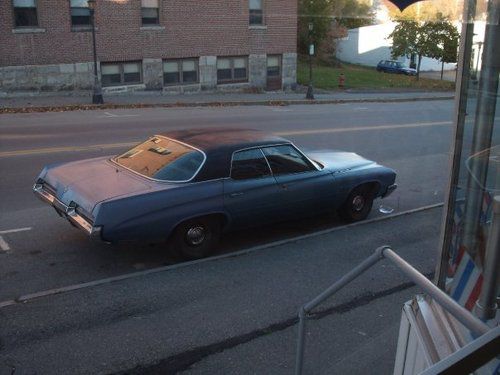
<point x="390" y="66"/>
<point x="189" y="186"/>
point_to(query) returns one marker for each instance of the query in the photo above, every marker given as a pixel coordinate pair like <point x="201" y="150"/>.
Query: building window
<point x="232" y="69"/>
<point x="25" y="13"/>
<point x="274" y="66"/>
<point x="80" y="13"/>
<point x="150" y="12"/>
<point x="120" y="73"/>
<point x="178" y="72"/>
<point x="256" y="12"/>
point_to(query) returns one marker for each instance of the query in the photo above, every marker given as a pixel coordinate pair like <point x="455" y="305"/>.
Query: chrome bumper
<point x="390" y="190"/>
<point x="69" y="212"/>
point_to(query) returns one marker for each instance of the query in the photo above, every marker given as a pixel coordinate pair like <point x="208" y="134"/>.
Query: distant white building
<point x="368" y="45"/>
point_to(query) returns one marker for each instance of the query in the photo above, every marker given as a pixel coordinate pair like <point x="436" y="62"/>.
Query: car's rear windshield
<point x="163" y="159"/>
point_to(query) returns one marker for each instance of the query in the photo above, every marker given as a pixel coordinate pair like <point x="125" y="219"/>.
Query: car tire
<point x="196" y="238"/>
<point x="358" y="204"/>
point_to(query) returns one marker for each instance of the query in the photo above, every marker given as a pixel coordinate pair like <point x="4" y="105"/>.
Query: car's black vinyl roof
<point x="219" y="144"/>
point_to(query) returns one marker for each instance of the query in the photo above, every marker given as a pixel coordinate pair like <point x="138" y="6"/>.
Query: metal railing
<point x="385" y="252"/>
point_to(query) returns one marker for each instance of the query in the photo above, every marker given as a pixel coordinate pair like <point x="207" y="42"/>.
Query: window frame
<point x="158" y="23"/>
<point x="113" y="160"/>
<point x="121" y="65"/>
<point x="13" y="7"/>
<point x="262" y="9"/>
<point x="253" y="178"/>
<point x="313" y="165"/>
<point x="79" y="27"/>
<point x="232" y="79"/>
<point x="181" y="72"/>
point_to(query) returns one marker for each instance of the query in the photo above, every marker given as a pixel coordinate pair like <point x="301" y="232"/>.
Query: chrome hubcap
<point x="358" y="203"/>
<point x="195" y="236"/>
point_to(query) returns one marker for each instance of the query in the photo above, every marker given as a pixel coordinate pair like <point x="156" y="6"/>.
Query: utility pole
<point x="97" y="92"/>
<point x="310" y="91"/>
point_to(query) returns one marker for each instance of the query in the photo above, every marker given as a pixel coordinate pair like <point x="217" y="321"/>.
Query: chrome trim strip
<point x="165" y="181"/>
<point x="264" y="156"/>
<point x="69" y="211"/>
<point x="307" y="157"/>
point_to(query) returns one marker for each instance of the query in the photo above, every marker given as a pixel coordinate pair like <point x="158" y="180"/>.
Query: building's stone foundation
<point x="62" y="77"/>
<point x="80" y="77"/>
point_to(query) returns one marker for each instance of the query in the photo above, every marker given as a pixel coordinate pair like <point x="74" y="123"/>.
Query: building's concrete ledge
<point x="181" y="89"/>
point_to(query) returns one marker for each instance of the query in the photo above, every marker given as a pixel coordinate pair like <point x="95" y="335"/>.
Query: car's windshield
<point x="163" y="159"/>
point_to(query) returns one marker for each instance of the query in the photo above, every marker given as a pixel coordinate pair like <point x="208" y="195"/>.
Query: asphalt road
<point x="45" y="252"/>
<point x="233" y="315"/>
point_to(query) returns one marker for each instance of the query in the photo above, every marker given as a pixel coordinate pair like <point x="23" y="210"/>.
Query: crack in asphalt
<point x="184" y="360"/>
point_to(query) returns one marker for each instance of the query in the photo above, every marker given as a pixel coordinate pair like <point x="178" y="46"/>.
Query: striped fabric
<point x="467" y="282"/>
<point x="467" y="278"/>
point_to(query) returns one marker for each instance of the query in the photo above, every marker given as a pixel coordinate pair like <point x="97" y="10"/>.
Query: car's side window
<point x="286" y="159"/>
<point x="249" y="164"/>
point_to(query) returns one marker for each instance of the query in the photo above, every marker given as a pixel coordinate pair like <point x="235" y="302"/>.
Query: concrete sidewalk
<point x="235" y="314"/>
<point x="45" y="102"/>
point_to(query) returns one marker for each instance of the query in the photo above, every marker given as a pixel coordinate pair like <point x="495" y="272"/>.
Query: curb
<point x="46" y="293"/>
<point x="91" y="107"/>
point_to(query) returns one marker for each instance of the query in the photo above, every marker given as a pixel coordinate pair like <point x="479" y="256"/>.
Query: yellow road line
<point x="362" y="128"/>
<point x="53" y="150"/>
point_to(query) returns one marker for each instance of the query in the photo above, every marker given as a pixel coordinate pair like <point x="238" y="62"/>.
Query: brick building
<point x="170" y="45"/>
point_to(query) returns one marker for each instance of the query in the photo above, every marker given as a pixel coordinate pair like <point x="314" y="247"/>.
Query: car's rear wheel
<point x="358" y="204"/>
<point x="196" y="238"/>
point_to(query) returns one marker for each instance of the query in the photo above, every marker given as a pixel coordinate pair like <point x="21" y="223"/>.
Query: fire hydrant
<point x="341" y="81"/>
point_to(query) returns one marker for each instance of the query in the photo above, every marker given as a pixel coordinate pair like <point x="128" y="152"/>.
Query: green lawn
<point x="360" y="77"/>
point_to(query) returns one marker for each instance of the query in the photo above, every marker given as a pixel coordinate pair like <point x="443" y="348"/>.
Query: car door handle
<point x="232" y="195"/>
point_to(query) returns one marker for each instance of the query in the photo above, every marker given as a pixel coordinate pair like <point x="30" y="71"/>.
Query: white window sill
<point x="82" y="28"/>
<point x="28" y="30"/>
<point x="257" y="27"/>
<point x="123" y="88"/>
<point x="152" y="28"/>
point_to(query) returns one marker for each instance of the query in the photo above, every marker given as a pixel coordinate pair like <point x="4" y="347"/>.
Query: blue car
<point x="190" y="186"/>
<point x="390" y="66"/>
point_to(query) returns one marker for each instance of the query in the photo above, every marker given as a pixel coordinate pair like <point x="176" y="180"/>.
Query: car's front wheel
<point x="196" y="238"/>
<point x="358" y="204"/>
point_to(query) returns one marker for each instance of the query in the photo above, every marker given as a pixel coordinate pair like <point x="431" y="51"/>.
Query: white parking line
<point x="281" y="110"/>
<point x="4" y="246"/>
<point x="113" y="115"/>
<point x="15" y="230"/>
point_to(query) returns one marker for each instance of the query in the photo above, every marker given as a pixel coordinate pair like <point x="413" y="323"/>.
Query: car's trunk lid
<point x="89" y="182"/>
